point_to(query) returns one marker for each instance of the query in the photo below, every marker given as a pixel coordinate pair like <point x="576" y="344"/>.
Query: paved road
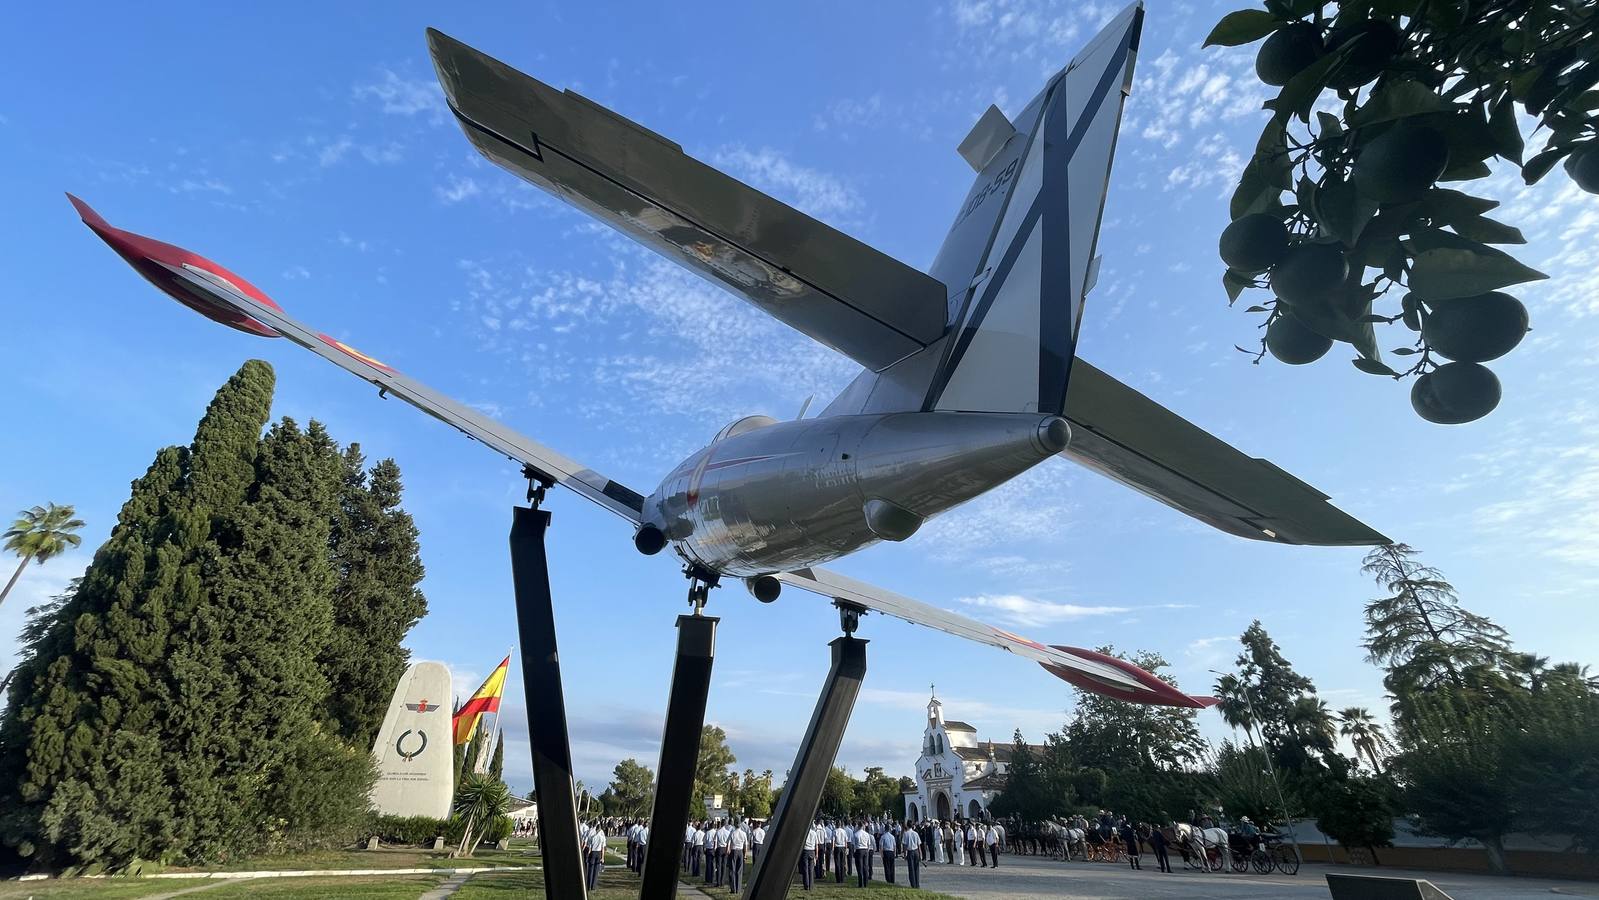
<point x="1034" y="878"/>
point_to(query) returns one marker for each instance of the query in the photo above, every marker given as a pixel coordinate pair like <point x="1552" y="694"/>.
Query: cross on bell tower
<point x="935" y="709"/>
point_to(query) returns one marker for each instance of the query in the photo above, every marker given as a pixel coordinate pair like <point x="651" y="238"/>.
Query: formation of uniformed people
<point x="721" y="850"/>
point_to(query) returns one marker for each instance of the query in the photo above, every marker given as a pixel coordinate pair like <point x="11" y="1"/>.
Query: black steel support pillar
<point x="797" y="807"/>
<point x="680" y="752"/>
<point x="546" y="706"/>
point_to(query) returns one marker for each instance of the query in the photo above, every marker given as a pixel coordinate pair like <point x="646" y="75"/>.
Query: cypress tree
<point x="497" y="761"/>
<point x="377" y="564"/>
<point x="86" y="759"/>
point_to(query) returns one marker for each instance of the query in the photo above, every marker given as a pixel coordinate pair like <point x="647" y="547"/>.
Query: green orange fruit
<point x="1292" y="342"/>
<point x="1309" y="273"/>
<point x="1455" y="393"/>
<point x="1289" y="51"/>
<point x="1379" y="41"/>
<point x="1583" y="167"/>
<point x="1253" y="243"/>
<point x="1401" y="163"/>
<point x="1475" y="329"/>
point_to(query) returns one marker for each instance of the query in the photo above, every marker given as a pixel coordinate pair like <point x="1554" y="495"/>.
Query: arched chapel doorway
<point x="943" y="807"/>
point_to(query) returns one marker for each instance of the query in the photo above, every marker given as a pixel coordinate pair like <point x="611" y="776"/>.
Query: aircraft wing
<point x="219" y="294"/>
<point x="872" y="597"/>
<point x="822" y="282"/>
<point x="615" y="497"/>
<point x="1124" y="435"/>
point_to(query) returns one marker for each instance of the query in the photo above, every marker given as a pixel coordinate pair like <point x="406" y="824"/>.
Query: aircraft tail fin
<point x="1020" y="255"/>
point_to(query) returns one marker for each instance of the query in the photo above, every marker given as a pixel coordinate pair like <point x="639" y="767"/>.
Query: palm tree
<point x="479" y="801"/>
<point x="39" y="534"/>
<point x="1365" y="732"/>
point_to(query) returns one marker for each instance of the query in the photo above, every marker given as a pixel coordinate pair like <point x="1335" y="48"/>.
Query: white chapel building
<point x="957" y="775"/>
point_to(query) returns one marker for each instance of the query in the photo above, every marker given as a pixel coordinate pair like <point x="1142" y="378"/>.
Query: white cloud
<point x="399" y="95"/>
<point x="459" y="188"/>
<point x="1015" y="609"/>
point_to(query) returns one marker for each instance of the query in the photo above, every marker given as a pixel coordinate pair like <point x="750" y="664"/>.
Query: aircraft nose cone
<point x="1054" y="434"/>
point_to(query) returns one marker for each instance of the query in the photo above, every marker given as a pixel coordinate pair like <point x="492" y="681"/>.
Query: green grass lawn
<point x="396" y="858"/>
<point x="404" y="887"/>
<point x="84" y="889"/>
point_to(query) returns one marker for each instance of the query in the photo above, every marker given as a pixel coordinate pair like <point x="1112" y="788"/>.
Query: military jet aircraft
<point x="969" y="377"/>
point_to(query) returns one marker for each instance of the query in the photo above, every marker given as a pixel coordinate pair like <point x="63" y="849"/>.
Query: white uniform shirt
<point x="699" y="838"/>
<point x="810" y="840"/>
<point x="759" y="835"/>
<point x="971" y="833"/>
<point x="993" y="835"/>
<point x="737" y="841"/>
<point x="713" y="837"/>
<point x="595" y="841"/>
<point x="722" y="836"/>
<point x="642" y="838"/>
<point x="841" y="837"/>
<point x="913" y="841"/>
<point x="887" y="843"/>
<point x="688" y="834"/>
<point x="863" y="840"/>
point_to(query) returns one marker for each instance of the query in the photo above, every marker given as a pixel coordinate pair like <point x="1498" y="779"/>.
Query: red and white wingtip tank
<point x="160" y="264"/>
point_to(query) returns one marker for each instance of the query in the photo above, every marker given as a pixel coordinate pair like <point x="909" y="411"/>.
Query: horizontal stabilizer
<point x="1124" y="435"/>
<point x="805" y="273"/>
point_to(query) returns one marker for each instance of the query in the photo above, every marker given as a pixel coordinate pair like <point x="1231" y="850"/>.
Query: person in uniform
<point x="688" y="844"/>
<point x="595" y="857"/>
<point x="642" y="842"/>
<point x="807" y="860"/>
<point x="915" y="846"/>
<point x="1129" y="838"/>
<point x="840" y="852"/>
<point x="757" y="839"/>
<point x="824" y="849"/>
<point x="737" y="843"/>
<point x="697" y="857"/>
<point x="863" y="852"/>
<point x="889" y="848"/>
<point x="973" y="851"/>
<point x="711" y="835"/>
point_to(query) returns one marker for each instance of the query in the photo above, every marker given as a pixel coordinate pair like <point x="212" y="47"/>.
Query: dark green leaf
<point x="1539" y="165"/>
<point x="1242" y="27"/>
<point x="1588" y="102"/>
<point x="1300" y="93"/>
<point x="1506" y="132"/>
<point x="1329" y="124"/>
<point x="1398" y="100"/>
<point x="1445" y="206"/>
<point x="1234" y="284"/>
<point x="1255" y="309"/>
<point x="1424" y="239"/>
<point x="1373" y="367"/>
<point x="1488" y="231"/>
<point x="1466" y="171"/>
<point x="1446" y="273"/>
<point x="1292" y="9"/>
<point x="1468" y="133"/>
<point x="1404" y="351"/>
<point x="1372" y="319"/>
<point x="1343" y="211"/>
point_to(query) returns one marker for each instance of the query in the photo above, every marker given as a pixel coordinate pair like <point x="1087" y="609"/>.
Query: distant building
<point x="957" y="775"/>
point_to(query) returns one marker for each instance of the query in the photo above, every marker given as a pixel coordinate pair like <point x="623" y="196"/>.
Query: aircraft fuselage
<point x="770" y="496"/>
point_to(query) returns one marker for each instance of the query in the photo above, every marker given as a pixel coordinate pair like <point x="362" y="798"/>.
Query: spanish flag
<point x="487" y="699"/>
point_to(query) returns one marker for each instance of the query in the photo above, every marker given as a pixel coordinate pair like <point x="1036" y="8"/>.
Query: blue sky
<point x="307" y="147"/>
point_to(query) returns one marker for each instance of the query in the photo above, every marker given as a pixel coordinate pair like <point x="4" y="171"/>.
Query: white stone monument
<point x="416" y="768"/>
